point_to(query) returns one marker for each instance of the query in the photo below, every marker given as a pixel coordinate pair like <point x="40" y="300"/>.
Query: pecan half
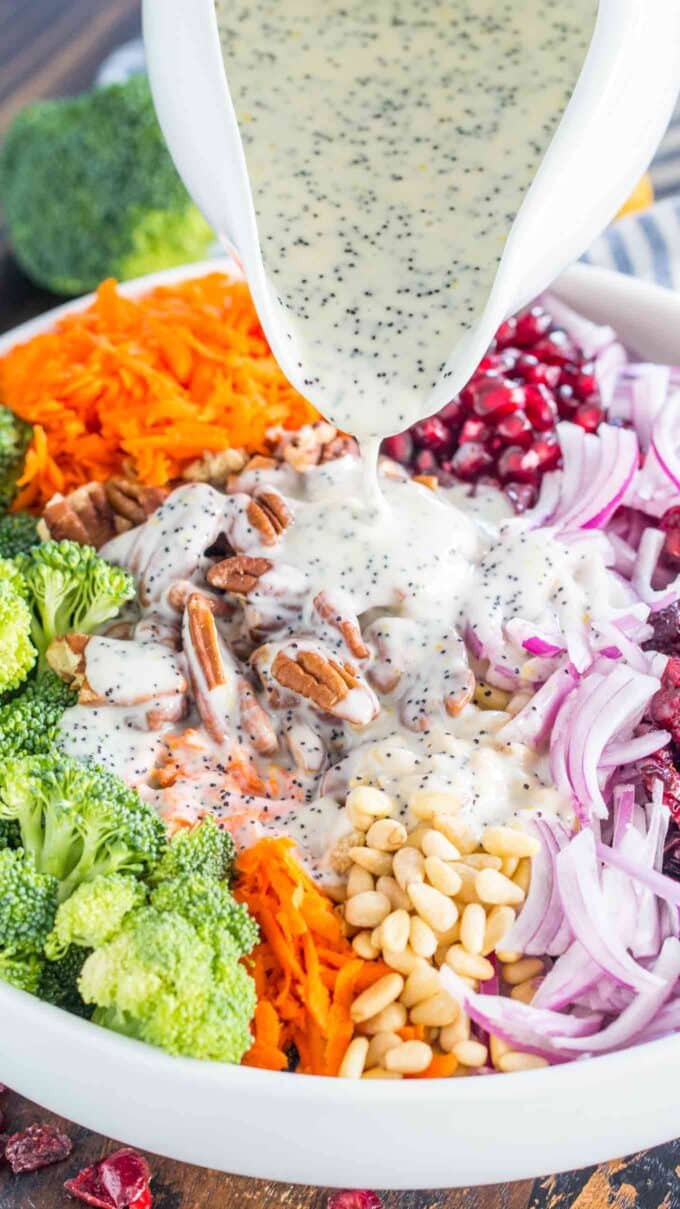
<point x="269" y="513"/>
<point x="85" y="516"/>
<point x="323" y="681"/>
<point x="132" y="502"/>
<point x="205" y="642"/>
<point x="239" y="574"/>
<point x="330" y="611"/>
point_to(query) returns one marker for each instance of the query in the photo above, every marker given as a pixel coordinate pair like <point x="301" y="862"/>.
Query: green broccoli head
<point x="15" y="435"/>
<point x="18" y="530"/>
<point x="205" y="848"/>
<point x="58" y="983"/>
<point x="22" y="970"/>
<point x="70" y="588"/>
<point x="90" y="191"/>
<point x="28" y="903"/>
<point x="78" y="821"/>
<point x="210" y="907"/>
<point x="29" y="722"/>
<point x="94" y="913"/>
<point x="9" y="834"/>
<point x="159" y="981"/>
<point x="17" y="652"/>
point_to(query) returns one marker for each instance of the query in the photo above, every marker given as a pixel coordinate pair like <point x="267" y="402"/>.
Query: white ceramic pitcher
<point x="607" y="135"/>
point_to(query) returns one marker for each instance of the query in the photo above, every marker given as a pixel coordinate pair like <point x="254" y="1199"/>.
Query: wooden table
<point x="48" y="47"/>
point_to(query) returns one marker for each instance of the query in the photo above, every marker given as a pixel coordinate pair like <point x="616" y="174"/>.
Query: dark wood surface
<point x="52" y="47"/>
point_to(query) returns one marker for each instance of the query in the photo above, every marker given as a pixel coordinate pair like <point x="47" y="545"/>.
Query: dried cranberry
<point x="666" y="627"/>
<point x="515" y="430"/>
<point x="433" y="434"/>
<point x="589" y="416"/>
<point x="119" y="1181"/>
<point x="354" y="1200"/>
<point x="660" y="766"/>
<point x="518" y="464"/>
<point x="400" y="447"/>
<point x="670" y="523"/>
<point x="471" y="460"/>
<point x="3" y="1089"/>
<point x="531" y="325"/>
<point x="664" y="707"/>
<point x="36" y="1147"/>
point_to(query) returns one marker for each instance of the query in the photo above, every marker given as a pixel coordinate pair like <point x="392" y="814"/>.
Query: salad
<point x="287" y="784"/>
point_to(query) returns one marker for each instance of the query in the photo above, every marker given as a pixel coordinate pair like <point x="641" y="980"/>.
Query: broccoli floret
<point x="90" y="191"/>
<point x="78" y="821"/>
<point x="18" y="531"/>
<point x="70" y="588"/>
<point x="17" y="652"/>
<point x="22" y="970"/>
<point x="94" y="913"/>
<point x="29" y="722"/>
<point x="59" y="982"/>
<point x="205" y="848"/>
<point x="15" y="435"/>
<point x="9" y="834"/>
<point x="210" y="907"/>
<point x="161" y="982"/>
<point x="28" y="903"/>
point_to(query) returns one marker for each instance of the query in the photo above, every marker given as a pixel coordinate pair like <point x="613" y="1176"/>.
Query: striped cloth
<point x="643" y="245"/>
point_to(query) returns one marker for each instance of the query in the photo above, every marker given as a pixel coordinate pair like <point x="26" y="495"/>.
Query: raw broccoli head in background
<point x="29" y="722"/>
<point x="90" y="191"/>
<point x="77" y="821"/>
<point x="161" y="982"/>
<point x="206" y="849"/>
<point x="18" y="531"/>
<point x="70" y="588"/>
<point x="15" y="435"/>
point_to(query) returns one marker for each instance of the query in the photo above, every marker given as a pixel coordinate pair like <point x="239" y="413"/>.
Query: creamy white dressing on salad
<point x="389" y="145"/>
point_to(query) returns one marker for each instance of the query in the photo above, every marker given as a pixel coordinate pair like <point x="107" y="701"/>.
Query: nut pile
<point x="421" y="899"/>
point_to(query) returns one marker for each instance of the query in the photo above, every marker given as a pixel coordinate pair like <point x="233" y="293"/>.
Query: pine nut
<point x="506" y="841"/>
<point x="399" y="899"/>
<point x="371" y="801"/>
<point x="467" y="892"/>
<point x="498" y="923"/>
<point x="414" y="838"/>
<point x="376" y="937"/>
<point x="404" y="963"/>
<point x="497" y="1048"/>
<point x="493" y="888"/>
<point x="457" y="831"/>
<point x="434" y="843"/>
<point x="469" y="965"/>
<point x="450" y="936"/>
<point x="473" y="927"/>
<point x="379" y="1072"/>
<point x="483" y="860"/>
<point x="526" y="990"/>
<point x="395" y="931"/>
<point x="520" y="971"/>
<point x="378" y="1047"/>
<point x="434" y="907"/>
<point x="450" y="1036"/>
<point x="508" y="957"/>
<point x="515" y="1060"/>
<point x="390" y="1020"/>
<point x="408" y="866"/>
<point x="423" y="983"/>
<point x="442" y="876"/>
<point x="376" y="997"/>
<point x="437" y="1011"/>
<point x="387" y="835"/>
<point x="422" y="938"/>
<point x="367" y="910"/>
<point x="522" y="876"/>
<point x="510" y="865"/>
<point x="363" y="946"/>
<point x="470" y="1053"/>
<point x="358" y="818"/>
<point x="352" y="1064"/>
<point x="359" y="881"/>
<point x="377" y="863"/>
<point x="426" y="803"/>
<point x="409" y="1058"/>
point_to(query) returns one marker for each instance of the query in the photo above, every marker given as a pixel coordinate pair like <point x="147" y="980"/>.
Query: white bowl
<point x="339" y="1132"/>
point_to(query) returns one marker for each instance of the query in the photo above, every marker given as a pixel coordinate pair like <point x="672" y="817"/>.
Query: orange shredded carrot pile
<point x="306" y="972"/>
<point x="146" y="385"/>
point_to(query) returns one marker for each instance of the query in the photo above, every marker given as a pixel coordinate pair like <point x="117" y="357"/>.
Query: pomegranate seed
<point x="354" y="1200"/>
<point x="497" y="363"/>
<point x="519" y="464"/>
<point x="496" y="397"/>
<point x="555" y="349"/>
<point x="425" y="462"/>
<point x="506" y="333"/>
<point x="531" y="326"/>
<point x="473" y="430"/>
<point x="399" y="447"/>
<point x="547" y="451"/>
<point x="585" y="383"/>
<point x="452" y="414"/>
<point x="540" y="408"/>
<point x="565" y="401"/>
<point x="515" y="430"/>
<point x="433" y="434"/>
<point x="470" y="460"/>
<point x="521" y="495"/>
<point x="589" y="416"/>
<point x="541" y="375"/>
<point x="488" y="480"/>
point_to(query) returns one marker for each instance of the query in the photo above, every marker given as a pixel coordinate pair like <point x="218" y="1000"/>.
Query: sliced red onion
<point x="526" y="635"/>
<point x="609" y="362"/>
<point x="534" y="722"/>
<point x="649" y="552"/>
<point x="624" y="800"/>
<point x="648" y="388"/>
<point x="661" y="885"/>
<point x="665" y="437"/>
<point x="591" y="338"/>
<point x="629" y="750"/>
<point x="586" y="909"/>
<point x="572" y="975"/>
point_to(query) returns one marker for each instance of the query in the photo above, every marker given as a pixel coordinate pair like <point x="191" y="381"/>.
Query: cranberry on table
<point x="35" y="1147"/>
<point x="119" y="1181"/>
<point x="354" y="1199"/>
<point x="670" y="524"/>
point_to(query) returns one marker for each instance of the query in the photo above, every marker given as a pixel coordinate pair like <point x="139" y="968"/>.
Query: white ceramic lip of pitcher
<point x="617" y="114"/>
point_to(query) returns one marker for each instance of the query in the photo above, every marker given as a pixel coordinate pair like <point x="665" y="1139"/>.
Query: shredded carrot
<point x="146" y="385"/>
<point x="305" y="970"/>
<point x="442" y="1066"/>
